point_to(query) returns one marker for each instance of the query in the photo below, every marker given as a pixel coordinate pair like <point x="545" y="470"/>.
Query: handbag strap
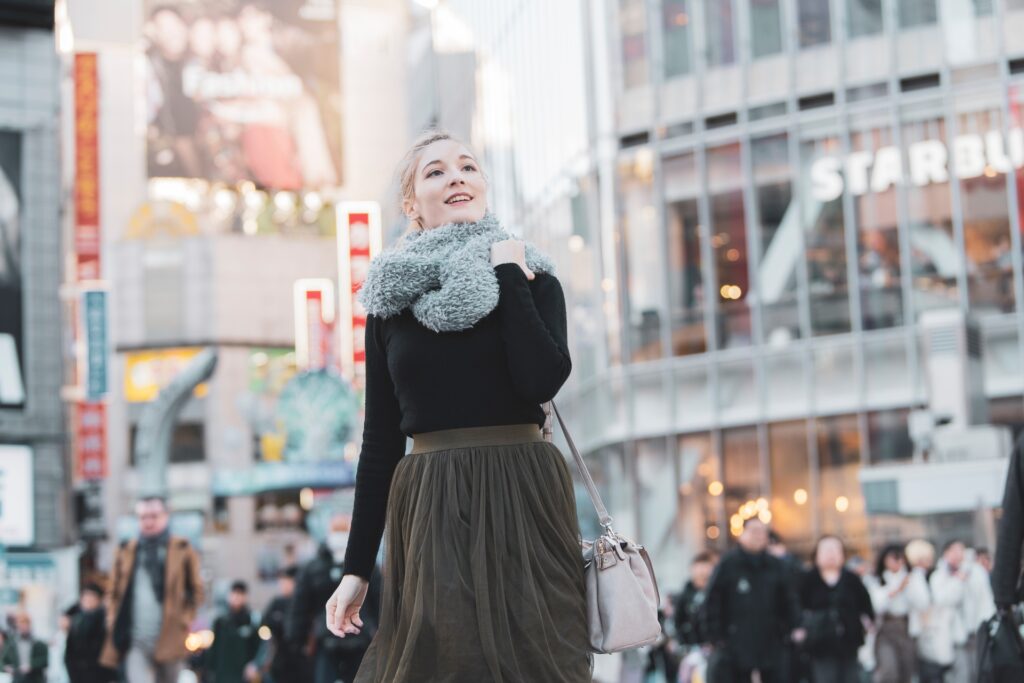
<point x="588" y="481"/>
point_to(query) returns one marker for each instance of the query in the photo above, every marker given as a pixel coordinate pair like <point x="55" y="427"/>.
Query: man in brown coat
<point x="155" y="592"/>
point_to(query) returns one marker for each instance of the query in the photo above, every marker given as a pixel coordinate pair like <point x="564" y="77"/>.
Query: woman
<point x="899" y="596"/>
<point x="836" y="608"/>
<point x="465" y="339"/>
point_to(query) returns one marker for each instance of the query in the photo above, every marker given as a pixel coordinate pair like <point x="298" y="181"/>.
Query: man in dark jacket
<point x="1006" y="571"/>
<point x="24" y="657"/>
<point x="334" y="658"/>
<point x="287" y="661"/>
<point x="687" y="612"/>
<point x="235" y="640"/>
<point x="86" y="633"/>
<point x="751" y="612"/>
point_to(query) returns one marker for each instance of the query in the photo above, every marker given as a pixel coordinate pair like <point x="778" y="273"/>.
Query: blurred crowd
<point x="759" y="612"/>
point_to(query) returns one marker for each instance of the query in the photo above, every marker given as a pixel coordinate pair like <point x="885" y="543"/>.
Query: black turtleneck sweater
<point x="498" y="372"/>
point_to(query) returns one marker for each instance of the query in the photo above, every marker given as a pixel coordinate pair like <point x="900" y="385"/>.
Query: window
<point x="781" y="242"/>
<point x="721" y="40"/>
<point x="633" y="25"/>
<point x="791" y="503"/>
<point x="814" y="21"/>
<point x="765" y="27"/>
<point x="825" y="237"/>
<point x="934" y="256"/>
<point x="918" y="13"/>
<point x="698" y="509"/>
<point x="873" y="171"/>
<point x="864" y="17"/>
<point x="729" y="244"/>
<point x="742" y="472"/>
<point x="840" y="504"/>
<point x="660" y="531"/>
<point x="889" y="436"/>
<point x="685" y="275"/>
<point x="676" y="27"/>
<point x="645" y="290"/>
<point x="186" y="443"/>
<point x="983" y="160"/>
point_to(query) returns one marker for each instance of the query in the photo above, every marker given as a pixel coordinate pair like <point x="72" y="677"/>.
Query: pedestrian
<point x="155" y="592"/>
<point x="235" y="640"/>
<point x="983" y="558"/>
<point x="1009" y="561"/>
<point x="797" y="663"/>
<point x="688" y="620"/>
<point x="306" y="629"/>
<point x="687" y="617"/>
<point x="465" y="340"/>
<point x="751" y="612"/>
<point x="25" y="658"/>
<point x="837" y="610"/>
<point x="286" y="660"/>
<point x="86" y="631"/>
<point x="962" y="600"/>
<point x="898" y="595"/>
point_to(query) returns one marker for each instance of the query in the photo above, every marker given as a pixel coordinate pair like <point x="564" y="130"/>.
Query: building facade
<point x="765" y="197"/>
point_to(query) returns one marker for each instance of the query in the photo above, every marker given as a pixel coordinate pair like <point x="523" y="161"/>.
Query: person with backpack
<point x="836" y="611"/>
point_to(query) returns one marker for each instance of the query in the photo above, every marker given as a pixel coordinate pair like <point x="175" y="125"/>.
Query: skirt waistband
<point x="470" y="437"/>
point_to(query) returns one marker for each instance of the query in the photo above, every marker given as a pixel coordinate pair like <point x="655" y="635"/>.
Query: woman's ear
<point x="410" y="210"/>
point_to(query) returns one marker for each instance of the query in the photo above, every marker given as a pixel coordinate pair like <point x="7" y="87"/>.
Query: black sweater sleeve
<point x="533" y="325"/>
<point x="1006" y="571"/>
<point x="383" y="446"/>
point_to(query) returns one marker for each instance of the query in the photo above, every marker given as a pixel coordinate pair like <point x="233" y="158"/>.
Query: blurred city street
<point x="790" y="237"/>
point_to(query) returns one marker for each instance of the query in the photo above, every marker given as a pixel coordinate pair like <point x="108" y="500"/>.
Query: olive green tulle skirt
<point x="483" y="578"/>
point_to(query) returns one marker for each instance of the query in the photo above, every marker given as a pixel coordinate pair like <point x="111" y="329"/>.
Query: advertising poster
<point x="12" y="349"/>
<point x="244" y="90"/>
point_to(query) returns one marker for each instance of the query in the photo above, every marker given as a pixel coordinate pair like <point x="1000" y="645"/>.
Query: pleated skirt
<point x="483" y="577"/>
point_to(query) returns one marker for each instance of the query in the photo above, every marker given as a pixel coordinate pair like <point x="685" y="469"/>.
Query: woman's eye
<point x="469" y="167"/>
<point x="432" y="173"/>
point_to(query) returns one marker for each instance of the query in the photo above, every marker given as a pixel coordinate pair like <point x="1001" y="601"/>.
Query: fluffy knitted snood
<point x="444" y="274"/>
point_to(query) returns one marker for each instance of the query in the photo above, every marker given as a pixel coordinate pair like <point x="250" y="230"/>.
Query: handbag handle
<point x="588" y="481"/>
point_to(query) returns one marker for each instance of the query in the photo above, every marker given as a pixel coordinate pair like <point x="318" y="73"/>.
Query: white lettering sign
<point x="926" y="162"/>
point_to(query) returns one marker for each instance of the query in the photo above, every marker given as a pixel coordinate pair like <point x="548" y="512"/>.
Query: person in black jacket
<point x="86" y="632"/>
<point x="751" y="612"/>
<point x="687" y="612"/>
<point x="333" y="658"/>
<point x="235" y="640"/>
<point x="1006" y="571"/>
<point x="287" y="661"/>
<point x="836" y="608"/>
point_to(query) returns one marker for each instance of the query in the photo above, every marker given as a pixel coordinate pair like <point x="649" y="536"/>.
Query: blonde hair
<point x="407" y="167"/>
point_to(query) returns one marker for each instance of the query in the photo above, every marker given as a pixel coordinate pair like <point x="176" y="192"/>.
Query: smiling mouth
<point x="458" y="199"/>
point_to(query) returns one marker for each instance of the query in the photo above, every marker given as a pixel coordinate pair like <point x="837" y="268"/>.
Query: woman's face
<point x="448" y="186"/>
<point x="893" y="562"/>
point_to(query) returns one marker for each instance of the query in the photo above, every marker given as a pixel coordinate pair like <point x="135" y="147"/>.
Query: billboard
<point x="244" y="90"/>
<point x="12" y="351"/>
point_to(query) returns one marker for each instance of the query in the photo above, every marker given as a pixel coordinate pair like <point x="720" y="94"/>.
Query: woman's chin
<point x="463" y="215"/>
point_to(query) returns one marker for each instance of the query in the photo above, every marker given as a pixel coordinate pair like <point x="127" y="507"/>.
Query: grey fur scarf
<point x="444" y="274"/>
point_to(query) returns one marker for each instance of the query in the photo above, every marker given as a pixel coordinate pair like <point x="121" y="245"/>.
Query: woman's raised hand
<point x="511" y="251"/>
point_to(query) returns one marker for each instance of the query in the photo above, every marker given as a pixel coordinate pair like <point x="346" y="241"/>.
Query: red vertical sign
<point x="90" y="441"/>
<point x="87" y="168"/>
<point x="359" y="261"/>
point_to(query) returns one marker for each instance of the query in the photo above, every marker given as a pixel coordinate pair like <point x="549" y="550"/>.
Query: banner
<point x="87" y="168"/>
<point x="147" y="372"/>
<point x="12" y="351"/>
<point x="316" y="344"/>
<point x="93" y="309"/>
<point x="359" y="240"/>
<point x="244" y="90"/>
<point x="90" y="441"/>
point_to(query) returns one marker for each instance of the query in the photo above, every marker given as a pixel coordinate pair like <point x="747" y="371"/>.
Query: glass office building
<point x="791" y="183"/>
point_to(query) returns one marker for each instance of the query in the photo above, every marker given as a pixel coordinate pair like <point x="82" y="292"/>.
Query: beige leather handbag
<point x="622" y="593"/>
